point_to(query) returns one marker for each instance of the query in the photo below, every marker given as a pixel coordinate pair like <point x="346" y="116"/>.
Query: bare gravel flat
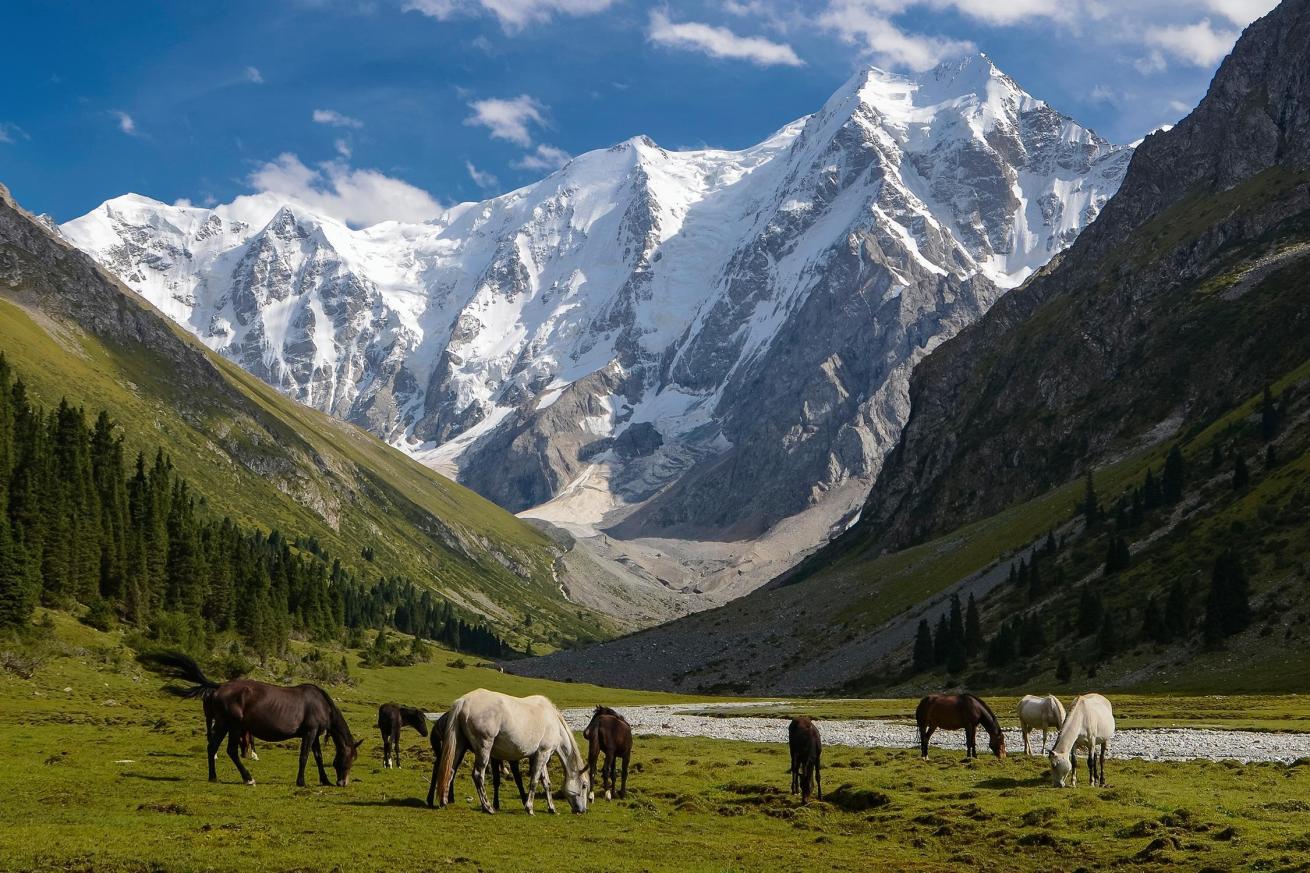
<point x="1153" y="744"/>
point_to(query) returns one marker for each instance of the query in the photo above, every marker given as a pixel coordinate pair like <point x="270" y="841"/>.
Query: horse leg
<point x="318" y="759"/>
<point x="304" y="757"/>
<point x="970" y="741"/>
<point x="609" y="781"/>
<point x="386" y="749"/>
<point x="436" y="773"/>
<point x="215" y="740"/>
<point x="495" y="784"/>
<point x="533" y="761"/>
<point x="234" y="752"/>
<point x="545" y="784"/>
<point x="593" y="751"/>
<point x="518" y="781"/>
<point x="480" y="762"/>
<point x="623" y="790"/>
<point x="395" y="746"/>
<point x="1027" y="750"/>
<point x="1104" y="748"/>
<point x="459" y="759"/>
<point x="795" y="774"/>
<point x="818" y="769"/>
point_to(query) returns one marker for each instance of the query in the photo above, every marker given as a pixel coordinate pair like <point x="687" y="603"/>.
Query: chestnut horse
<point x="391" y="718"/>
<point x="806" y="750"/>
<point x="271" y="713"/>
<point x="953" y="712"/>
<point x="608" y="733"/>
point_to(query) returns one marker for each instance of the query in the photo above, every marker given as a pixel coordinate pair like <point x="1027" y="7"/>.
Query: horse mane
<point x="987" y="709"/>
<point x="337" y="721"/>
<point x="605" y="710"/>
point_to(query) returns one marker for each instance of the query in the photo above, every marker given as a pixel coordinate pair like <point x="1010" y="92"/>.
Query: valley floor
<point x="102" y="772"/>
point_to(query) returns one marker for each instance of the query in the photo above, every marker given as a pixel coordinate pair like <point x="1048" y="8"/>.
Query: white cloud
<point x="544" y="157"/>
<point x="1198" y="44"/>
<point x="513" y="14"/>
<point x="11" y="133"/>
<point x="1241" y="12"/>
<point x="866" y="23"/>
<point x="253" y="76"/>
<point x="508" y="119"/>
<point x="358" y="197"/>
<point x="332" y="118"/>
<point x="720" y="42"/>
<point x="1180" y="106"/>
<point x="481" y="178"/>
<point x="125" y="122"/>
<point x="342" y="147"/>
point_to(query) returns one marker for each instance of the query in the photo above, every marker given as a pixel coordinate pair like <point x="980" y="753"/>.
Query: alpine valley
<point x="688" y="366"/>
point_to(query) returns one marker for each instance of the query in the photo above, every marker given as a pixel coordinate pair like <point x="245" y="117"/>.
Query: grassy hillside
<point x="108" y="774"/>
<point x="270" y="463"/>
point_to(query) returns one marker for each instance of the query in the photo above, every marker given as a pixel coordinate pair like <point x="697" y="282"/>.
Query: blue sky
<point x="381" y="108"/>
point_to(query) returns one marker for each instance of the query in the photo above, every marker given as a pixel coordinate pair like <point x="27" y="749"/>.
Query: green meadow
<point x="103" y="772"/>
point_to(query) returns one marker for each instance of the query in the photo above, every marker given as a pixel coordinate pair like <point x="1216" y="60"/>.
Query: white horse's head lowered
<point x="1061" y="768"/>
<point x="577" y="784"/>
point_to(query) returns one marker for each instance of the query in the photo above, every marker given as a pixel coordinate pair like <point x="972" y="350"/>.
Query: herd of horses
<point x="501" y="731"/>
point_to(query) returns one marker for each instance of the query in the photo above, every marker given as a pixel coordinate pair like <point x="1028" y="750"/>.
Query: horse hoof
<point x="251" y="782"/>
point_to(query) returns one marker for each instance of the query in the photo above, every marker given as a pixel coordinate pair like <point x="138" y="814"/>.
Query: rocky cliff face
<point x="1115" y="344"/>
<point x="722" y="338"/>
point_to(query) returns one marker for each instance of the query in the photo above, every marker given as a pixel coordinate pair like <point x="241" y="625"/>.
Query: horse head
<point x="1061" y="768"/>
<point x="998" y="744"/>
<point x="577" y="788"/>
<point x="417" y="719"/>
<point x="344" y="759"/>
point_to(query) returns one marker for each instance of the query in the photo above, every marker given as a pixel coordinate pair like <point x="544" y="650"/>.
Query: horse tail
<point x="451" y="734"/>
<point x="176" y="665"/>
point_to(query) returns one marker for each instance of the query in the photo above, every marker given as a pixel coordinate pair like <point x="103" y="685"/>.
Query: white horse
<point x="495" y="725"/>
<point x="1039" y="712"/>
<point x="1090" y="726"/>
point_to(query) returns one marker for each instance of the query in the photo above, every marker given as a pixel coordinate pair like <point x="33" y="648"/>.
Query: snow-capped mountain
<point x="697" y="343"/>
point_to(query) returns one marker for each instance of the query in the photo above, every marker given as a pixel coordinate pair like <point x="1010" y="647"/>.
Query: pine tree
<point x="1269" y="417"/>
<point x="1228" y="607"/>
<point x="1177" y="618"/>
<point x="941" y="640"/>
<point x="923" y="649"/>
<point x="1153" y="624"/>
<point x="1090" y="612"/>
<point x="1241" y="475"/>
<point x="1216" y="456"/>
<point x="1032" y="637"/>
<point x="1063" y="671"/>
<point x="1173" y="481"/>
<point x="1152" y="498"/>
<point x="1090" y="506"/>
<point x="1118" y="556"/>
<point x="18" y="586"/>
<point x="1107" y="639"/>
<point x="973" y="634"/>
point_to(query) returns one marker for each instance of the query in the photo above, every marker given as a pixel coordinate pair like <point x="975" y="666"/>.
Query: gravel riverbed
<point x="1153" y="744"/>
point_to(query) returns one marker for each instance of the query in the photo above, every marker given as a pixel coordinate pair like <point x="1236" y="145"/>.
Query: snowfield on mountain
<point x="665" y="345"/>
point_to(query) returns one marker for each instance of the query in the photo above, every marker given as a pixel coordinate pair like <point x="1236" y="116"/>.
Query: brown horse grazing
<point x="391" y="718"/>
<point x="270" y="712"/>
<point x="953" y="712"/>
<point x="438" y="738"/>
<point x="608" y="733"/>
<point x="806" y="752"/>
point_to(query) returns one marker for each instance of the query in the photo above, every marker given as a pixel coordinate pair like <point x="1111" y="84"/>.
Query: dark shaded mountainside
<point x="1177" y="325"/>
<point x="72" y="332"/>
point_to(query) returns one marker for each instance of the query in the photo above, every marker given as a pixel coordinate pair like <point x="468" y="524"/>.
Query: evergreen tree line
<point x="134" y="543"/>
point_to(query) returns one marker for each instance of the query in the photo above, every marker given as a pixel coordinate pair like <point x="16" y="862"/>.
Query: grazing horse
<point x="438" y="741"/>
<point x="1039" y="712"/>
<point x="495" y="725"/>
<point x="391" y="718"/>
<point x="1090" y="726"/>
<point x="271" y="713"/>
<point x="608" y="733"/>
<point x="806" y="750"/>
<point x="952" y="712"/>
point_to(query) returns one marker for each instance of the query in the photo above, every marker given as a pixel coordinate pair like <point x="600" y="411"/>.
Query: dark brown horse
<point x="271" y="713"/>
<point x="391" y="718"/>
<point x="806" y="752"/>
<point x="438" y="739"/>
<point x="608" y="733"/>
<point x="953" y="712"/>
